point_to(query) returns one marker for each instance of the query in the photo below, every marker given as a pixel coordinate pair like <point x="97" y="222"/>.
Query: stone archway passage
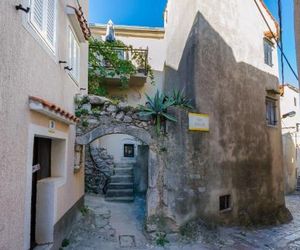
<point x="104" y="118"/>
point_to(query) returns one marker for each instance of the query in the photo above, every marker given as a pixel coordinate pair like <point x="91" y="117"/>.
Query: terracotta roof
<point x="273" y="18"/>
<point x="82" y="21"/>
<point x="55" y="108"/>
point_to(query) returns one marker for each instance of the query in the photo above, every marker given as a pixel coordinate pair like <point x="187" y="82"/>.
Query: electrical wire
<point x="278" y="45"/>
<point x="281" y="39"/>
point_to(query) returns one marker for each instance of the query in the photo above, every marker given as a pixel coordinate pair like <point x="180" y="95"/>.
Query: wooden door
<point x="41" y="156"/>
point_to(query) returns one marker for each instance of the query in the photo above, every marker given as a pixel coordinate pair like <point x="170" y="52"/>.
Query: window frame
<point x="42" y="33"/>
<point x="125" y="153"/>
<point x="225" y="203"/>
<point x="274" y="120"/>
<point x="268" y="54"/>
<point x="75" y="76"/>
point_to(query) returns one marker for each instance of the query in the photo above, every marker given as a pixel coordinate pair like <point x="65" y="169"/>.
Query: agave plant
<point x="157" y="108"/>
<point x="180" y="99"/>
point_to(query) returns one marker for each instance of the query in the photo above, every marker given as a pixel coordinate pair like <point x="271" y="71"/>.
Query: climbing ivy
<point x="105" y="61"/>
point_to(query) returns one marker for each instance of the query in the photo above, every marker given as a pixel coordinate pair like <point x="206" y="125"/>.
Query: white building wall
<point x="290" y="136"/>
<point x="28" y="69"/>
<point x="114" y="144"/>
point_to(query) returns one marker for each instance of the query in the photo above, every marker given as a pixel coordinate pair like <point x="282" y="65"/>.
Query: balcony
<point x="138" y="58"/>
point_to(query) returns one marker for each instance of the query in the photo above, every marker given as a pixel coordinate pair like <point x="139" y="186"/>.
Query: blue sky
<point x="288" y="35"/>
<point x="128" y="12"/>
<point x="150" y="13"/>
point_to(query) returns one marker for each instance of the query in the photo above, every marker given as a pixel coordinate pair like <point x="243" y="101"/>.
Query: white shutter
<point x="50" y="25"/>
<point x="37" y="14"/>
<point x="74" y="56"/>
<point x="70" y="47"/>
<point x="77" y="61"/>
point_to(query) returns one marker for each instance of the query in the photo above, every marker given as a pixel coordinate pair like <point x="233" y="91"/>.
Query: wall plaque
<point x="198" y="122"/>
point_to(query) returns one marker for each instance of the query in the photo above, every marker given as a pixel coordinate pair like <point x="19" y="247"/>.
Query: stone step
<point x="124" y="165"/>
<point x="121" y="179"/>
<point x="128" y="185"/>
<point x="119" y="193"/>
<point x="123" y="171"/>
<point x="120" y="199"/>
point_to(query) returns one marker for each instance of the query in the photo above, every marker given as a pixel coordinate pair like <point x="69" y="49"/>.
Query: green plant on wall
<point x="181" y="100"/>
<point x="106" y="59"/>
<point x="156" y="107"/>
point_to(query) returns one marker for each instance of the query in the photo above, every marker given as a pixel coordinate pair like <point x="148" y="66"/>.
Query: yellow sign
<point x="198" y="122"/>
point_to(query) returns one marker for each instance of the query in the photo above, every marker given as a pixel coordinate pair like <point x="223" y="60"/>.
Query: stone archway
<point x="103" y="130"/>
<point x="121" y="119"/>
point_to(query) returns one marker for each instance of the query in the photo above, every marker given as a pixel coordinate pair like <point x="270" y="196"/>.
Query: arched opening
<point x="130" y="164"/>
<point x="124" y="160"/>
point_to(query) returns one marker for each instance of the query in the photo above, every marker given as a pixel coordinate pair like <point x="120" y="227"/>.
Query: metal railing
<point x="138" y="57"/>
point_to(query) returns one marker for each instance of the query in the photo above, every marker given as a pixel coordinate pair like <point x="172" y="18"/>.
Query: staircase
<point x="121" y="186"/>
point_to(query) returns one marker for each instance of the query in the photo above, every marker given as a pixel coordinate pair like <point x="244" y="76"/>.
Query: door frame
<point x="40" y="131"/>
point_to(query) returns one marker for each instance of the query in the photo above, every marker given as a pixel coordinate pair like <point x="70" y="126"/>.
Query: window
<point x="224" y="202"/>
<point x="128" y="150"/>
<point x="42" y="18"/>
<point x="295" y="101"/>
<point x="268" y="50"/>
<point x="271" y="115"/>
<point x="74" y="56"/>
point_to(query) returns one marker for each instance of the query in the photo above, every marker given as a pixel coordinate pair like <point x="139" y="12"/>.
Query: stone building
<point x="43" y="65"/>
<point x="227" y="62"/>
<point x="289" y="106"/>
<point x="224" y="56"/>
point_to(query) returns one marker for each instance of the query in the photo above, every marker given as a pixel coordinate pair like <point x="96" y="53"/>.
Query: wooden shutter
<point x="37" y="14"/>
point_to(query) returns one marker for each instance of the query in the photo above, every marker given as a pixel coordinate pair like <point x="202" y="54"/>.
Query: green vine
<point x="106" y="59"/>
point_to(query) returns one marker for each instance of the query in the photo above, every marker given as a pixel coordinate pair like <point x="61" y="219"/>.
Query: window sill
<point x="52" y="52"/>
<point x="226" y="210"/>
<point x="271" y="66"/>
<point x="272" y="126"/>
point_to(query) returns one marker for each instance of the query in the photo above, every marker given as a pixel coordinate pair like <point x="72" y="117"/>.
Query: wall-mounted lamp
<point x="20" y="7"/>
<point x="289" y="114"/>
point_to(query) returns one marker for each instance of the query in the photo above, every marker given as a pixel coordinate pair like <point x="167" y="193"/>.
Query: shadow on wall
<point x="241" y="156"/>
<point x="289" y="163"/>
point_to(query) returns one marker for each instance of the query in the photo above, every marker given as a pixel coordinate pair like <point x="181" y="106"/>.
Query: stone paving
<point x="119" y="226"/>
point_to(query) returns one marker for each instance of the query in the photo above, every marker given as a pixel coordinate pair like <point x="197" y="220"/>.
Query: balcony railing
<point x="138" y="57"/>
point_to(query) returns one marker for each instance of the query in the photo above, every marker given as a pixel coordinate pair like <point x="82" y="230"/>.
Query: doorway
<point x="41" y="170"/>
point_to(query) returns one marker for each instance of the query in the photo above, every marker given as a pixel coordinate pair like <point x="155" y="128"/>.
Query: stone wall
<point x="100" y="110"/>
<point x="241" y="155"/>
<point x="98" y="168"/>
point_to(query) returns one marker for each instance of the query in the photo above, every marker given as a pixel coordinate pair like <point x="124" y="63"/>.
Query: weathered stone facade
<point x="241" y="155"/>
<point x="218" y="58"/>
<point x="102" y="110"/>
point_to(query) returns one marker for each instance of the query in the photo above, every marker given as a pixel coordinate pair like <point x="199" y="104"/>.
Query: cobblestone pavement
<point x="114" y="226"/>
